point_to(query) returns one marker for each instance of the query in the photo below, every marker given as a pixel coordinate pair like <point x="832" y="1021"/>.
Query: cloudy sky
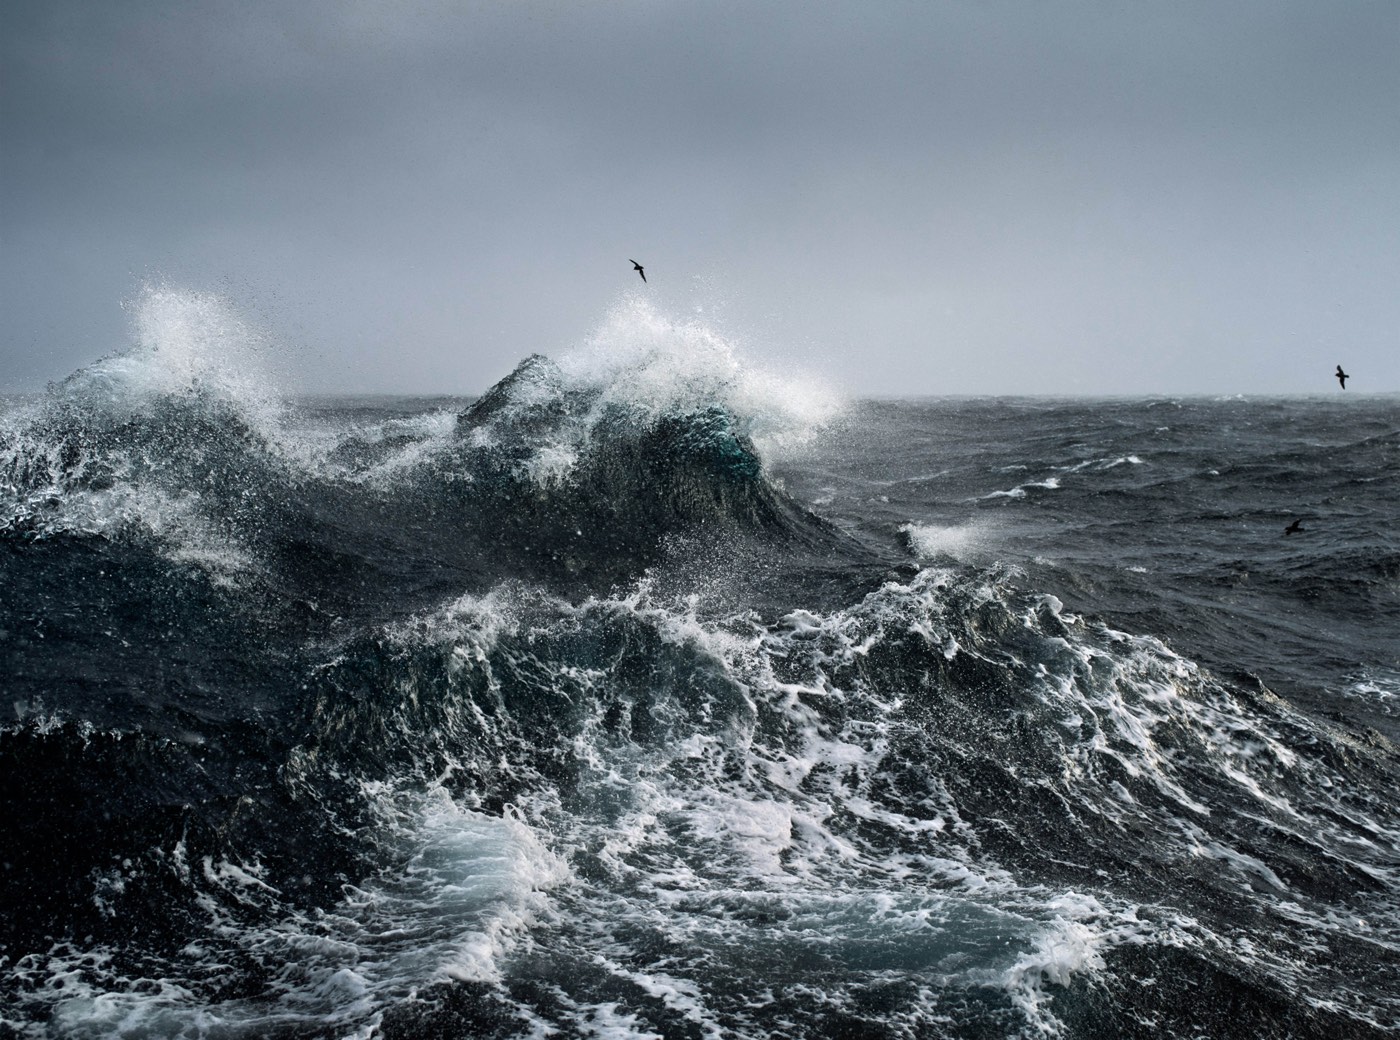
<point x="907" y="196"/>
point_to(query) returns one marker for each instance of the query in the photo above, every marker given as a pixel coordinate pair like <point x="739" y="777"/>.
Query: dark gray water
<point x="1166" y="515"/>
<point x="652" y="699"/>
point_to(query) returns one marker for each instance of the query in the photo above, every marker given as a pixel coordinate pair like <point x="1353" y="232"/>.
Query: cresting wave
<point x="556" y="714"/>
<point x="177" y="440"/>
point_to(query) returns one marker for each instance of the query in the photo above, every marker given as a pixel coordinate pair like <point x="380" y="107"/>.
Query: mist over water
<point x="655" y="694"/>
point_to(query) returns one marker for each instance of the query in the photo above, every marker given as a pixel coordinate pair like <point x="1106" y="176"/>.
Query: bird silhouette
<point x="1294" y="527"/>
<point x="1341" y="377"/>
<point x="638" y="268"/>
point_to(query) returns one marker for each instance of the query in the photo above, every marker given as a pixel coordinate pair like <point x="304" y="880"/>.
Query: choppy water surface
<point x="650" y="694"/>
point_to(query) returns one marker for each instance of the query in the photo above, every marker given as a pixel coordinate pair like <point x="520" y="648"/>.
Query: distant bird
<point x="1342" y="377"/>
<point x="638" y="268"/>
<point x="1294" y="527"/>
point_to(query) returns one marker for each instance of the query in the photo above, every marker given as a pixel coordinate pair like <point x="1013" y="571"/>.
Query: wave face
<point x="650" y="695"/>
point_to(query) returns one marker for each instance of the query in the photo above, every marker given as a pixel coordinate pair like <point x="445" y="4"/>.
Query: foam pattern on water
<point x="721" y="828"/>
<point x="643" y="360"/>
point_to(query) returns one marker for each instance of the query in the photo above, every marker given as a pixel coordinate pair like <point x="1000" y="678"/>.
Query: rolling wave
<point x="555" y="712"/>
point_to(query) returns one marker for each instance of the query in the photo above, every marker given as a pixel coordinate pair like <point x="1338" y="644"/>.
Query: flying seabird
<point x="1341" y="377"/>
<point x="638" y="268"/>
<point x="1294" y="527"/>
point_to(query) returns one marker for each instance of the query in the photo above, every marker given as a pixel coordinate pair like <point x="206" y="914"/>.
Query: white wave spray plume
<point x="644" y="360"/>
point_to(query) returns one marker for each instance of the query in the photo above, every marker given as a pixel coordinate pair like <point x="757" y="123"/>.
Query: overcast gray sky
<point x="932" y="197"/>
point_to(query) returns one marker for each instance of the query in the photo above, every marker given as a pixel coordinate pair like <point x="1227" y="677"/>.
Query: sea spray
<point x="571" y="710"/>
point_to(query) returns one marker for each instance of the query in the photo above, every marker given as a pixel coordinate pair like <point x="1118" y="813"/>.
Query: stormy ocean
<point x="657" y="694"/>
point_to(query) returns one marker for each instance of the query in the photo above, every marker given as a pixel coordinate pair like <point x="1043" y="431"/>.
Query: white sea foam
<point x="1377" y="689"/>
<point x="777" y="840"/>
<point x="186" y="343"/>
<point x="190" y="350"/>
<point x="551" y="464"/>
<point x="467" y="890"/>
<point x="966" y="541"/>
<point x="470" y="889"/>
<point x="772" y="840"/>
<point x="425" y="438"/>
<point x="174" y="517"/>
<point x="1102" y="464"/>
<point x="645" y="360"/>
<point x="1020" y="490"/>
